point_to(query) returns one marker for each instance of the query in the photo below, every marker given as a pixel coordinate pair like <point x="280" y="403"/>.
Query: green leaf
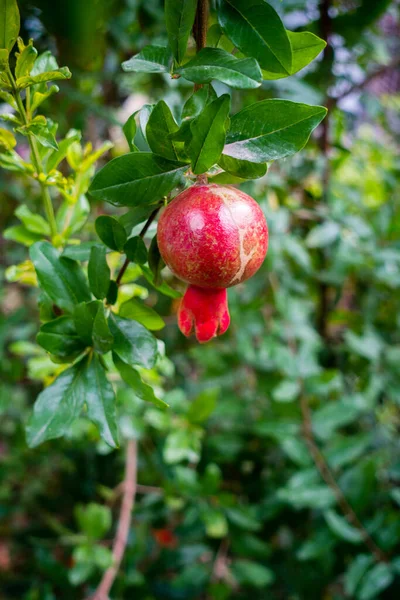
<point x="28" y="80"/>
<point x="98" y="272"/>
<point x="203" y="406"/>
<point x="25" y="58"/>
<point x="242" y="168"/>
<point x="256" y="29"/>
<point x="32" y="221"/>
<point x="103" y="340"/>
<point x="133" y="379"/>
<point x="135" y="249"/>
<point x="58" y="406"/>
<point x="156" y="262"/>
<point x="61" y="278"/>
<point x="252" y="574"/>
<point x="286" y="391"/>
<point x="152" y="59"/>
<point x="134" y="217"/>
<point x="59" y="337"/>
<point x="215" y="63"/>
<point x="39" y="97"/>
<point x="160" y="125"/>
<point x="133" y="343"/>
<point x="129" y="130"/>
<point x="147" y="316"/>
<point x="323" y="235"/>
<point x="136" y="178"/>
<point x="197" y="101"/>
<point x="378" y="578"/>
<point x="356" y="572"/>
<point x="111" y="232"/>
<point x="340" y="527"/>
<point x="209" y="132"/>
<point x="271" y="129"/>
<point x="162" y="287"/>
<point x="56" y="157"/>
<point x="22" y="235"/>
<point x="84" y="316"/>
<point x="9" y="23"/>
<point x="100" y="401"/>
<point x="94" y="520"/>
<point x="41" y="132"/>
<point x="80" y="252"/>
<point x="179" y="19"/>
<point x="305" y="47"/>
<point x="215" y="523"/>
<point x="112" y="294"/>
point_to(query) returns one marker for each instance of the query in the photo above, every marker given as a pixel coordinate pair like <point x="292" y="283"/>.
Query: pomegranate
<point x="212" y="237"/>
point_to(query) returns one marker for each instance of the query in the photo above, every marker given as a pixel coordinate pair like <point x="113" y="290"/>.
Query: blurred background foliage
<point x="235" y="500"/>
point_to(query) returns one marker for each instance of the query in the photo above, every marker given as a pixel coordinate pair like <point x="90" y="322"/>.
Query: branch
<point x="141" y="234"/>
<point x="124" y="523"/>
<point x="358" y="87"/>
<point x="330" y="480"/>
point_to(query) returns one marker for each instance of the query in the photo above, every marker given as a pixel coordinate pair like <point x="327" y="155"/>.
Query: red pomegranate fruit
<point x="212" y="237"/>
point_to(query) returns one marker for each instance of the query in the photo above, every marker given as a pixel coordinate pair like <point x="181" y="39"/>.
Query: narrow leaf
<point x="152" y="59"/>
<point x="209" y="133"/>
<point x="179" y="19"/>
<point x="9" y="23"/>
<point x="133" y="379"/>
<point x="98" y="272"/>
<point x="28" y="80"/>
<point x="242" y="168"/>
<point x="103" y="340"/>
<point x="160" y="125"/>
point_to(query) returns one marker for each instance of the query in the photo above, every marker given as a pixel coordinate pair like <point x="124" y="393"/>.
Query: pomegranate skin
<point x="213" y="236"/>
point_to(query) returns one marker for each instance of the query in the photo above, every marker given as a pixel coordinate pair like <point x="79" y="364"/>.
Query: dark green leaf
<point x="58" y="406"/>
<point x="197" y="101"/>
<point x="179" y="19"/>
<point x="342" y="528"/>
<point x="98" y="272"/>
<point x="111" y="232"/>
<point x="61" y="278"/>
<point x="160" y="125"/>
<point x="242" y="168"/>
<point x="134" y="309"/>
<point x="156" y="262"/>
<point x="133" y="379"/>
<point x="60" y="337"/>
<point x="112" y="294"/>
<point x="129" y="130"/>
<point x="136" y="215"/>
<point x="102" y="338"/>
<point x="378" y="579"/>
<point x="163" y="287"/>
<point x="32" y="221"/>
<point x="355" y="573"/>
<point x="215" y="63"/>
<point x="256" y="29"/>
<point x="252" y="574"/>
<point x="136" y="178"/>
<point x="152" y="59"/>
<point x="271" y="129"/>
<point x="133" y="343"/>
<point x="9" y="23"/>
<point x="209" y="132"/>
<point x="135" y="249"/>
<point x="80" y="252"/>
<point x="100" y="401"/>
<point x="84" y="316"/>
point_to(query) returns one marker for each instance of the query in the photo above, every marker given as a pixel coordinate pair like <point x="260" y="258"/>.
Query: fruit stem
<point x="202" y="179"/>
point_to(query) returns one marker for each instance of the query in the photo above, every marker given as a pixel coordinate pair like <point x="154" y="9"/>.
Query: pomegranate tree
<point x="212" y="237"/>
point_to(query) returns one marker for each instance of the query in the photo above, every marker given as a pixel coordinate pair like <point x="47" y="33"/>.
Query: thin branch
<point x="200" y="30"/>
<point x="124" y="523"/>
<point x="330" y="480"/>
<point x="141" y="234"/>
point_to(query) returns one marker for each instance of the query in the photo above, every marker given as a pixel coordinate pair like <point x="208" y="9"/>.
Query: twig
<point x="329" y="478"/>
<point x="141" y="234"/>
<point x="200" y="30"/>
<point x="124" y="523"/>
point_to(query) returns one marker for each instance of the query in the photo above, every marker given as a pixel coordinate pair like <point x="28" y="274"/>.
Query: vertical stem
<point x="36" y="160"/>
<point x="124" y="522"/>
<point x="200" y="28"/>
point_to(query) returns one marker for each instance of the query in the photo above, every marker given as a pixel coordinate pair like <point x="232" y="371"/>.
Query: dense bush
<point x="275" y="473"/>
